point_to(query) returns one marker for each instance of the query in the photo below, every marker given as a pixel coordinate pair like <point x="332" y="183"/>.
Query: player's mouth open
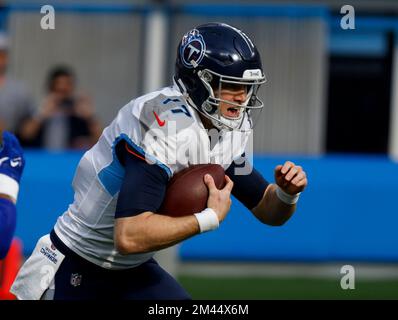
<point x="233" y="112"/>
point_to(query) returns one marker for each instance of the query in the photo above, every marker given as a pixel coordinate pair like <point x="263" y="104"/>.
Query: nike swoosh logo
<point x="160" y="122"/>
<point x="3" y="159"/>
<point x="15" y="162"/>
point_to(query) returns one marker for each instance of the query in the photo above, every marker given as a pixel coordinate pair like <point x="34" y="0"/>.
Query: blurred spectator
<point x="65" y="120"/>
<point x="15" y="103"/>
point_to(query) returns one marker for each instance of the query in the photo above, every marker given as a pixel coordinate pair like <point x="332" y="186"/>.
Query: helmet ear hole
<point x="211" y="79"/>
<point x="209" y="108"/>
<point x="190" y="83"/>
<point x="207" y="76"/>
<point x="215" y="83"/>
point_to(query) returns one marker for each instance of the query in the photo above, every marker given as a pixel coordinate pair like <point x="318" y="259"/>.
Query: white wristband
<point x="207" y="219"/>
<point x="9" y="186"/>
<point x="285" y="197"/>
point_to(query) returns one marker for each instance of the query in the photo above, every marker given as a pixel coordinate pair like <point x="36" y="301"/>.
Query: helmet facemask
<point x="215" y="83"/>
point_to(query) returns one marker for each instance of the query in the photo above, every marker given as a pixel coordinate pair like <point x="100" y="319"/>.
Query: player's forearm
<point x="271" y="210"/>
<point x="150" y="232"/>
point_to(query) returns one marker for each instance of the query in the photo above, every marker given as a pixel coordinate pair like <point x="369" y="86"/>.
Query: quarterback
<point x="102" y="246"/>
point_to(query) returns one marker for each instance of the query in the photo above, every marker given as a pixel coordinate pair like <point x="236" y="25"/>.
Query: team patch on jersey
<point x="192" y="49"/>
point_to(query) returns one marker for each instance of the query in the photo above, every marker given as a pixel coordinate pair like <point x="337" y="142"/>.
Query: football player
<point x="11" y="166"/>
<point x="102" y="246"/>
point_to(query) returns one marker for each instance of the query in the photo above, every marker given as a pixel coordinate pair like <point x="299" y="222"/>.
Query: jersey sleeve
<point x="143" y="186"/>
<point x="12" y="160"/>
<point x="164" y="124"/>
<point x="12" y="163"/>
<point x="249" y="184"/>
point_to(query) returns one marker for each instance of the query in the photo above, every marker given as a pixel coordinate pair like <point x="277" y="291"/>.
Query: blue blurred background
<point x="331" y="105"/>
<point x="343" y="215"/>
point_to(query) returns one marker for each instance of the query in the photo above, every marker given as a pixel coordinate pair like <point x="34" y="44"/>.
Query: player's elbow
<point x="121" y="245"/>
<point x="131" y="234"/>
<point x="123" y="248"/>
<point x="127" y="245"/>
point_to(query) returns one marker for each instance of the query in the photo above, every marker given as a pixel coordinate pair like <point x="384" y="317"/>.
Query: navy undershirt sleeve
<point x="143" y="187"/>
<point x="248" y="188"/>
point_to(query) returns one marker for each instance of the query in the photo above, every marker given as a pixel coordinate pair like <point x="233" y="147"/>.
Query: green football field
<point x="285" y="288"/>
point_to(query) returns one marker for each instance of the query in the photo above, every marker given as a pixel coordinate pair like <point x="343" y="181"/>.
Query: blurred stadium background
<point x="331" y="105"/>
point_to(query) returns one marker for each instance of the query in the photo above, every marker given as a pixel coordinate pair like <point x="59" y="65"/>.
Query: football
<point x="187" y="192"/>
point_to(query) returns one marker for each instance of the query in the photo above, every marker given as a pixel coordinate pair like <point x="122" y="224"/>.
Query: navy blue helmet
<point x="214" y="56"/>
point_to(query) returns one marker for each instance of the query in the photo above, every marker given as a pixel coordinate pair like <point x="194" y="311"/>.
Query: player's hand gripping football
<point x="219" y="200"/>
<point x="290" y="178"/>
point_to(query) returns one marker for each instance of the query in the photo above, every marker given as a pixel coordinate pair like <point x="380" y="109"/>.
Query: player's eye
<point x="234" y="87"/>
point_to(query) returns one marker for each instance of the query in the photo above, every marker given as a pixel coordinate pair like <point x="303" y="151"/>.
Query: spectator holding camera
<point x="16" y="104"/>
<point x="65" y="120"/>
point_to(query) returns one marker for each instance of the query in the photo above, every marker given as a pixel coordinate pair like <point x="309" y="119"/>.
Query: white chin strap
<point x="226" y="123"/>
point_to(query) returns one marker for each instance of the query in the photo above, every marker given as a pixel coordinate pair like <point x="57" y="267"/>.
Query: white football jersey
<point x="164" y="129"/>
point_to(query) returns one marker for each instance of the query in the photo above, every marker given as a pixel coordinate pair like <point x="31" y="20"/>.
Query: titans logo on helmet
<point x="192" y="48"/>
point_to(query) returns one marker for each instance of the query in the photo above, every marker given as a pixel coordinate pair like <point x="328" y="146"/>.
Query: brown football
<point x="187" y="192"/>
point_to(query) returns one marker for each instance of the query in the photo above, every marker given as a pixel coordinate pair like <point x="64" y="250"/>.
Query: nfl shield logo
<point x="75" y="279"/>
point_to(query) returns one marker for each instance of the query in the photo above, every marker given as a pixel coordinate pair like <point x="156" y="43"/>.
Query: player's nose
<point x="240" y="96"/>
